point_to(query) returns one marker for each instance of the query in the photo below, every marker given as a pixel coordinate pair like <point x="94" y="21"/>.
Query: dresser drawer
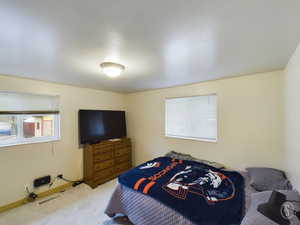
<point x="103" y="165"/>
<point x="122" y="151"/>
<point x="123" y="158"/>
<point x="122" y="167"/>
<point x="98" y="181"/>
<point x="104" y="156"/>
<point x="122" y="144"/>
<point x="103" y="149"/>
<point x="102" y="174"/>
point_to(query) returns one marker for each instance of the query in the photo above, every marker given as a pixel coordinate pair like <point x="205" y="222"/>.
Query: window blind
<point x="192" y="117"/>
<point x="14" y="102"/>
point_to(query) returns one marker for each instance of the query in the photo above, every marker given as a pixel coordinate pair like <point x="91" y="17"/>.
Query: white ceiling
<point x="162" y="43"/>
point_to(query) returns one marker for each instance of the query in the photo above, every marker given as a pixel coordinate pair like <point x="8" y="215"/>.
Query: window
<point x="24" y="129"/>
<point x="28" y="118"/>
<point x="38" y="126"/>
<point x="192" y="118"/>
<point x="8" y="128"/>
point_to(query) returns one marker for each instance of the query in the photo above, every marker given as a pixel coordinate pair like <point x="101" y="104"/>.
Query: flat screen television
<point x="98" y="125"/>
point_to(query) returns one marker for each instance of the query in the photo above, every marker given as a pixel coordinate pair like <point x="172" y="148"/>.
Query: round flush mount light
<point x="112" y="69"/>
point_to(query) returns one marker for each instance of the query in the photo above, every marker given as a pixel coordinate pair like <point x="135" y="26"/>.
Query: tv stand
<point x="106" y="160"/>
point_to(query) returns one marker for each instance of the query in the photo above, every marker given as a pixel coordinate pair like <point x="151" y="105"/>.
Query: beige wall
<point x="19" y="165"/>
<point x="250" y="127"/>
<point x="292" y="118"/>
<point x="250" y="121"/>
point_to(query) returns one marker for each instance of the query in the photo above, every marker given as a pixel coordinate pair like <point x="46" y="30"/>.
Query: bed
<point x="143" y="209"/>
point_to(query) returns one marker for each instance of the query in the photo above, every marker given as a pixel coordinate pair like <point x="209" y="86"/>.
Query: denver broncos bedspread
<point x="201" y="193"/>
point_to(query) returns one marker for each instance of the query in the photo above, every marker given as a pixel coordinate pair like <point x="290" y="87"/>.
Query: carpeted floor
<point x="76" y="206"/>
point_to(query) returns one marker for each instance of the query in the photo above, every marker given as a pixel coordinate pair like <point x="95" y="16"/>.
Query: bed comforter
<point x="143" y="208"/>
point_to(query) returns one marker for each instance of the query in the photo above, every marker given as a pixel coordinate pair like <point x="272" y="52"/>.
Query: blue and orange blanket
<point x="203" y="194"/>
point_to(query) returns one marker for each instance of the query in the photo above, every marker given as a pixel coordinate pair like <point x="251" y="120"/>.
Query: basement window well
<point x="28" y="118"/>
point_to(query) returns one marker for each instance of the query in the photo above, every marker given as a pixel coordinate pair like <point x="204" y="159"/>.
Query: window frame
<point x="20" y="139"/>
<point x="195" y="138"/>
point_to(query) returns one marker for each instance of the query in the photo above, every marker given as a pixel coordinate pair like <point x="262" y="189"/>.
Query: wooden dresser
<point x="106" y="160"/>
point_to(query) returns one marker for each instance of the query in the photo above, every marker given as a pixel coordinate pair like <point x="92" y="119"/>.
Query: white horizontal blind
<point x="14" y="101"/>
<point x="192" y="117"/>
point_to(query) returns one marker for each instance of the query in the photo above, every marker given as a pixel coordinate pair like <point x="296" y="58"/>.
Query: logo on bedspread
<point x="211" y="185"/>
<point x="150" y="165"/>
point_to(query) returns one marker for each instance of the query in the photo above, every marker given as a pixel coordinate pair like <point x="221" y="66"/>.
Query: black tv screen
<point x="98" y="125"/>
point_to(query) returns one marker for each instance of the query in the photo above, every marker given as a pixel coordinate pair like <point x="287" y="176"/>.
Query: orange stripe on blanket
<point x="138" y="183"/>
<point x="147" y="187"/>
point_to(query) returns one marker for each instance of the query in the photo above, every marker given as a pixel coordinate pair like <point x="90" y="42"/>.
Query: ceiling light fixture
<point x="112" y="69"/>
